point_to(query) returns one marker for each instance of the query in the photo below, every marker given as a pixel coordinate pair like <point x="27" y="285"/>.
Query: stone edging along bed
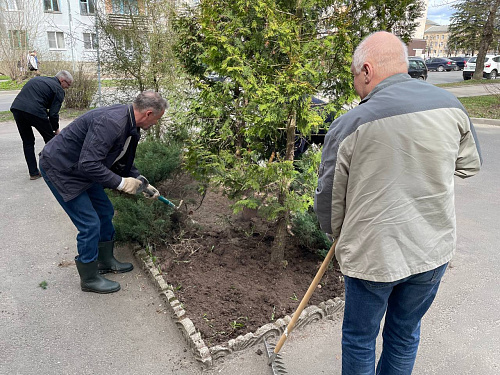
<point x="207" y="355"/>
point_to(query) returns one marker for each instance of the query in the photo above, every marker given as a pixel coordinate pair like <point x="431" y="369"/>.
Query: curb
<point x="271" y="331"/>
<point x="485" y="121"/>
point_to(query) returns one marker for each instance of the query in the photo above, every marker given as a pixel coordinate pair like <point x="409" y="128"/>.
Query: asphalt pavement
<point x="61" y="330"/>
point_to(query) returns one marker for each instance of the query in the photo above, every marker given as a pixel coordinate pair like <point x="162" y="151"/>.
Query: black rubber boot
<point x="106" y="262"/>
<point x="92" y="281"/>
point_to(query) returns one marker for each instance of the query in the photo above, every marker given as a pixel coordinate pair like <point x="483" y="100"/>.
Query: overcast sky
<point x="439" y="13"/>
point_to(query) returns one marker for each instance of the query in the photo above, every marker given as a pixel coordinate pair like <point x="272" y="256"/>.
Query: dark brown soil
<point x="220" y="270"/>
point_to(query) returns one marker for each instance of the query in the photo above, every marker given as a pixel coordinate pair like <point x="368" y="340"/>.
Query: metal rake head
<point x="275" y="360"/>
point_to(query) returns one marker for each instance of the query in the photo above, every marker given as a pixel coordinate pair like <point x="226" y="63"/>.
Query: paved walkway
<point x="475" y="90"/>
<point x="60" y="329"/>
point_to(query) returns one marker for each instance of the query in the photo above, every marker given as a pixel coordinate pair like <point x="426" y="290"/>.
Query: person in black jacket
<point x="94" y="152"/>
<point x="38" y="105"/>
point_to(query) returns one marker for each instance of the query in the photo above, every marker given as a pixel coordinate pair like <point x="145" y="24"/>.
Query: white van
<point x="491" y="67"/>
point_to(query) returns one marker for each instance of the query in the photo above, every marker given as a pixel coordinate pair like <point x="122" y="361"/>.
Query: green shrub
<point x="157" y="159"/>
<point x="138" y="219"/>
<point x="82" y="91"/>
<point x="306" y="228"/>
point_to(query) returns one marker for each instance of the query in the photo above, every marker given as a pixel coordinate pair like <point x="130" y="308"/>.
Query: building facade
<point x="59" y="30"/>
<point x="436" y="38"/>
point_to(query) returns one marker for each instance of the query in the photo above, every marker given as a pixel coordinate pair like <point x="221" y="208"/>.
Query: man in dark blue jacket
<point x="38" y="105"/>
<point x="94" y="152"/>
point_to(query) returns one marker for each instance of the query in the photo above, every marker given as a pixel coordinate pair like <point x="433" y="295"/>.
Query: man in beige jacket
<point x="386" y="191"/>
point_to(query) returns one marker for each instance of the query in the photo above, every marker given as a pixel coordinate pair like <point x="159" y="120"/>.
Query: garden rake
<point x="274" y="359"/>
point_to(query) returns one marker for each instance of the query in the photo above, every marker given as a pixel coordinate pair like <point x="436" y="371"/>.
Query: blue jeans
<point x="404" y="302"/>
<point x="92" y="213"/>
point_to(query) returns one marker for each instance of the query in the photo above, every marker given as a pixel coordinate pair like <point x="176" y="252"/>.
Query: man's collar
<point x="389" y="81"/>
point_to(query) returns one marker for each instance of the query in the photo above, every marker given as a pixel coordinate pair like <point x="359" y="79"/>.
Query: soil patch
<point x="220" y="271"/>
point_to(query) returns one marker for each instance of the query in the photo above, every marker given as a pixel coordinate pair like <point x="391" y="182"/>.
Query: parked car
<point x="417" y="68"/>
<point x="440" y="64"/>
<point x="460" y="61"/>
<point x="490" y="70"/>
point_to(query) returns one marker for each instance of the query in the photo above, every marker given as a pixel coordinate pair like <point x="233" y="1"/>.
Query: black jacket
<point x="85" y="151"/>
<point x="41" y="97"/>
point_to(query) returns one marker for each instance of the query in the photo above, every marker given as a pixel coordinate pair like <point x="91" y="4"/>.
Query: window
<point x="13" y="5"/>
<point x="56" y="39"/>
<point x="17" y="38"/>
<point x="87" y="7"/>
<point x="51" y="5"/>
<point x="89" y="41"/>
<point x="124" y="42"/>
<point x="125" y="7"/>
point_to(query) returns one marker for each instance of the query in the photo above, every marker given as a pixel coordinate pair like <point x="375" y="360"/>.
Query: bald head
<point x="378" y="56"/>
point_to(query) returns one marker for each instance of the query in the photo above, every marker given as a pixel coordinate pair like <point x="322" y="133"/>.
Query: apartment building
<point x="59" y="30"/>
<point x="436" y="37"/>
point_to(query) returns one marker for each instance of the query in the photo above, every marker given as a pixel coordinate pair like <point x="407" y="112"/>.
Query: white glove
<point x="151" y="192"/>
<point x="130" y="185"/>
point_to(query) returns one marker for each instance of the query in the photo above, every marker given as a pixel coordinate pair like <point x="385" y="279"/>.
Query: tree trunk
<point x="279" y="243"/>
<point x="486" y="39"/>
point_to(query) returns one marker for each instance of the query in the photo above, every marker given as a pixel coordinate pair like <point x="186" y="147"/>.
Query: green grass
<point x="65" y="113"/>
<point x="485" y="106"/>
<point x="11" y="85"/>
<point x="470" y="82"/>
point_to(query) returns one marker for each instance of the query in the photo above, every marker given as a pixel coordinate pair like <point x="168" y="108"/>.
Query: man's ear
<point x="367" y="72"/>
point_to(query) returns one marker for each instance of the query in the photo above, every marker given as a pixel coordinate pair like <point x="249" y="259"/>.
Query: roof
<point x="437" y="29"/>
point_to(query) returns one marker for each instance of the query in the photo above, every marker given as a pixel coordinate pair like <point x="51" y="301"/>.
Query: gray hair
<point x="150" y="100"/>
<point x="383" y="56"/>
<point x="64" y="75"/>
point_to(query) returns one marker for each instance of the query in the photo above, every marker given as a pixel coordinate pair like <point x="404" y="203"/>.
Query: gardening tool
<point x="145" y="188"/>
<point x="274" y="355"/>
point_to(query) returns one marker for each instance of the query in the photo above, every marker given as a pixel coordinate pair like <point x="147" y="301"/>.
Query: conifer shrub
<point x="142" y="220"/>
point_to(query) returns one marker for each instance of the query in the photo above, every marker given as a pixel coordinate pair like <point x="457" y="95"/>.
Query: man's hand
<point x="56" y="132"/>
<point x="151" y="192"/>
<point x="130" y="185"/>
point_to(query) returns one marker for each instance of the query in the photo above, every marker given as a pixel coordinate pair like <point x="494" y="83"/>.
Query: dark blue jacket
<point x="39" y="95"/>
<point x="85" y="151"/>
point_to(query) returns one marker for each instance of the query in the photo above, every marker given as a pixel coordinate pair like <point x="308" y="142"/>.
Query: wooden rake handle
<point x="306" y="297"/>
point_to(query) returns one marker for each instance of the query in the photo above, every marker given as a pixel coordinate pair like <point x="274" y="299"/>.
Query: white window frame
<point x="85" y="7"/>
<point x="13" y="5"/>
<point x="56" y="40"/>
<point x="17" y="36"/>
<point x="49" y="8"/>
<point x="89" y="39"/>
<point x="123" y="6"/>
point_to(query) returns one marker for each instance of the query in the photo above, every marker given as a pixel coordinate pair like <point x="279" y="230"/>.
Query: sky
<point x="439" y="13"/>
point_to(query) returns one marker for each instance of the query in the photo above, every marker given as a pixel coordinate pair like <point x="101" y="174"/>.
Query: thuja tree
<point x="256" y="65"/>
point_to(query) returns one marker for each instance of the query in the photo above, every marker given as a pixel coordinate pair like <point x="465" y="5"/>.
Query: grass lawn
<point x="485" y="106"/>
<point x="11" y="85"/>
<point x="470" y="82"/>
<point x="65" y="113"/>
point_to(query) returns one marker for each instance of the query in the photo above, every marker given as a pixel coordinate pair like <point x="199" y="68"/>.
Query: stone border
<point x="205" y="355"/>
<point x="485" y="121"/>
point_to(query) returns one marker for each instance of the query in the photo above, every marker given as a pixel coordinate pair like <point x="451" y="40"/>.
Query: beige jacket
<point x="386" y="180"/>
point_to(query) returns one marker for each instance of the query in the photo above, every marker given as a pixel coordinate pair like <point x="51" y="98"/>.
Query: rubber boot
<point x="106" y="262"/>
<point x="92" y="281"/>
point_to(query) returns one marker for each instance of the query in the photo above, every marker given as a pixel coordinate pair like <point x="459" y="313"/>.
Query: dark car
<point x="460" y="61"/>
<point x="441" y="64"/>
<point x="417" y="68"/>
